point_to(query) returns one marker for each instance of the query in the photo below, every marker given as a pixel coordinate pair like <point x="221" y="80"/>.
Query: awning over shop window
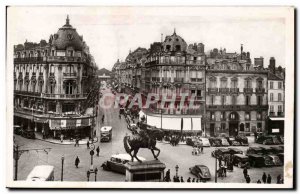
<point x="276" y="119"/>
<point x="57" y="124"/>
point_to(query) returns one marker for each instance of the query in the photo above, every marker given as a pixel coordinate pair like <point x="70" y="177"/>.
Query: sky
<point x="111" y="32"/>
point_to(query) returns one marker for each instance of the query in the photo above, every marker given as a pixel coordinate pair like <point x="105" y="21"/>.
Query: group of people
<point x="225" y="164"/>
<point x="178" y="179"/>
<point x="265" y="179"/>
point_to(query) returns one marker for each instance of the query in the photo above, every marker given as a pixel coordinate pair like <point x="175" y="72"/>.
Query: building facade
<point x="52" y="84"/>
<point x="236" y="100"/>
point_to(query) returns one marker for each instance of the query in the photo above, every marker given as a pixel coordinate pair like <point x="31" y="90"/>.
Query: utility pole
<point x="17" y="153"/>
<point x="62" y="168"/>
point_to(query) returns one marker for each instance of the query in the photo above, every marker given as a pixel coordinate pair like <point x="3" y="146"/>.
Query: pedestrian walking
<point x="174" y="179"/>
<point x="269" y="179"/>
<point x="88" y="144"/>
<point x="248" y="180"/>
<point x="102" y="119"/>
<point x="245" y="172"/>
<point x="258" y="181"/>
<point x="76" y="142"/>
<point x="77" y="161"/>
<point x="167" y="177"/>
<point x="264" y="178"/>
<point x="279" y="179"/>
<point x="193" y="180"/>
<point x="197" y="181"/>
<point x="61" y="138"/>
<point x="98" y="150"/>
<point x="189" y="180"/>
<point x="181" y="180"/>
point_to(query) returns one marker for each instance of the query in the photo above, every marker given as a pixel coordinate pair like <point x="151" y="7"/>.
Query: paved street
<point x="170" y="155"/>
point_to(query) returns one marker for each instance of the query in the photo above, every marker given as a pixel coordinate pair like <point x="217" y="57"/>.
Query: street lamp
<point x="62" y="168"/>
<point x="176" y="168"/>
<point x="216" y="167"/>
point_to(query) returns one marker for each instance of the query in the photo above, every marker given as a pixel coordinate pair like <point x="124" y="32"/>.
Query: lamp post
<point x="176" y="168"/>
<point x="62" y="168"/>
<point x="216" y="167"/>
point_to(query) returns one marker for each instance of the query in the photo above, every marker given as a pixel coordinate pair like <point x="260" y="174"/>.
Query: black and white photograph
<point x="150" y="97"/>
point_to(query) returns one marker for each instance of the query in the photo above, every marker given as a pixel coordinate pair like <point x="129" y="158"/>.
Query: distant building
<point x="259" y="62"/>
<point x="52" y="85"/>
<point x="276" y="96"/>
<point x="104" y="75"/>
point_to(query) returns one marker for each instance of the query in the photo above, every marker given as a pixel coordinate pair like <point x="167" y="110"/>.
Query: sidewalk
<point x="56" y="141"/>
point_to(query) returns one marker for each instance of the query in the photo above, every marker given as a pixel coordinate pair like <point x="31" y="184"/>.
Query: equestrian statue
<point x="142" y="138"/>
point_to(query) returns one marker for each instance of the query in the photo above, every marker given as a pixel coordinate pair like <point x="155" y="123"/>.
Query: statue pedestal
<point x="147" y="171"/>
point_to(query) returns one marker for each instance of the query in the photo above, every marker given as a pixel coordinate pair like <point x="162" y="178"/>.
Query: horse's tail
<point x="126" y="146"/>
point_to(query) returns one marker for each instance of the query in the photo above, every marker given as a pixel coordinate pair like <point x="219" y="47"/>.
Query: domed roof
<point x="174" y="43"/>
<point x="67" y="36"/>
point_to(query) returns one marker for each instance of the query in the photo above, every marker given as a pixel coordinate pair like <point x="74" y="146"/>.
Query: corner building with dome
<point x="52" y="90"/>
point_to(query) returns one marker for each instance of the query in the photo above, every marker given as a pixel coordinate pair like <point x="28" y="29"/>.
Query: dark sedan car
<point x="232" y="141"/>
<point x="220" y="152"/>
<point x="268" y="140"/>
<point x="277" y="150"/>
<point x="215" y="142"/>
<point x="267" y="150"/>
<point x="242" y="139"/>
<point x="256" y="160"/>
<point x="254" y="150"/>
<point x="241" y="161"/>
<point x="235" y="151"/>
<point x="201" y="172"/>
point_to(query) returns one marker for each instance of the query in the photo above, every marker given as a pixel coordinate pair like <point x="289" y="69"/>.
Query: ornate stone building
<point x="52" y="84"/>
<point x="236" y="97"/>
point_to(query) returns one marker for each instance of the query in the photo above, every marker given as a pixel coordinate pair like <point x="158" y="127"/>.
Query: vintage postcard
<point x="150" y="97"/>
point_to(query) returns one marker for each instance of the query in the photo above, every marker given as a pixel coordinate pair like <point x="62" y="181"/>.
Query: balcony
<point x="64" y="96"/>
<point x="234" y="90"/>
<point x="155" y="79"/>
<point x="27" y="93"/>
<point x="196" y="79"/>
<point x="224" y="90"/>
<point x="260" y="90"/>
<point x="176" y="79"/>
<point x="238" y="107"/>
<point x="166" y="79"/>
<point x="248" y="90"/>
<point x="66" y="59"/>
<point x="69" y="74"/>
<point x="212" y="90"/>
<point x="28" y="59"/>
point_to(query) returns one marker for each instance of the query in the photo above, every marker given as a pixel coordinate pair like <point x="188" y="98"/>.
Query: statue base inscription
<point x="147" y="171"/>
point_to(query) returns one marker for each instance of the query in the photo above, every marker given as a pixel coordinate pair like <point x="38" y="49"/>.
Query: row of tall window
<point x="234" y="83"/>
<point x="233" y="101"/>
<point x="233" y="116"/>
<point x="29" y="54"/>
<point x="279" y="108"/>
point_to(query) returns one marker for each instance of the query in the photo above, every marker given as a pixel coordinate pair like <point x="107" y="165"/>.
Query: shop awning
<point x="276" y="118"/>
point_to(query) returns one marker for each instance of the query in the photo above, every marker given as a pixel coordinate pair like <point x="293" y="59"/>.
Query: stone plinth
<point x="146" y="171"/>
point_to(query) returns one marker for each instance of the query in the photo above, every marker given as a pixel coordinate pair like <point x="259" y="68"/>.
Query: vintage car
<point x="205" y="142"/>
<point x="242" y="139"/>
<point x="220" y="152"/>
<point x="117" y="163"/>
<point x="105" y="133"/>
<point x="224" y="141"/>
<point x="17" y="130"/>
<point x="201" y="172"/>
<point x="268" y="140"/>
<point x="232" y="141"/>
<point x="267" y="150"/>
<point x="256" y="160"/>
<point x="277" y="149"/>
<point x="235" y="151"/>
<point x="254" y="150"/>
<point x="241" y="161"/>
<point x="276" y="160"/>
<point x="215" y="142"/>
<point x="281" y="157"/>
<point x="281" y="139"/>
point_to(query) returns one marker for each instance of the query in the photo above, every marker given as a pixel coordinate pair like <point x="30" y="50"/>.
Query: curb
<point x="73" y="143"/>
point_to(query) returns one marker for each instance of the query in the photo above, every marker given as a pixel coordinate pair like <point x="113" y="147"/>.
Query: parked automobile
<point x="256" y="160"/>
<point x="276" y="160"/>
<point x="277" y="149"/>
<point x="281" y="157"/>
<point x="28" y="134"/>
<point x="241" y="161"/>
<point x="235" y="151"/>
<point x="17" y="130"/>
<point x="224" y="142"/>
<point x="268" y="140"/>
<point x="215" y="142"/>
<point x="267" y="150"/>
<point x="117" y="163"/>
<point x="205" y="142"/>
<point x="201" y="172"/>
<point x="254" y="150"/>
<point x="220" y="151"/>
<point x="232" y="141"/>
<point x="281" y="139"/>
<point x="242" y="139"/>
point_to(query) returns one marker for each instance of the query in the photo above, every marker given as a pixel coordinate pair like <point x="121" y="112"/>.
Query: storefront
<point x="276" y="125"/>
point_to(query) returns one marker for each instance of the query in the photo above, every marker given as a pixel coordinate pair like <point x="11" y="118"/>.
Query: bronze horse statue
<point x="143" y="139"/>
